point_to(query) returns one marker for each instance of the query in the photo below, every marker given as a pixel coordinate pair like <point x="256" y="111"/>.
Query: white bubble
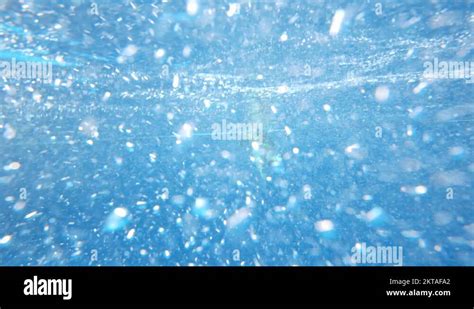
<point x="118" y="160"/>
<point x="187" y="51"/>
<point x="367" y="197"/>
<point x="175" y="81"/>
<point x="282" y="89"/>
<point x="192" y="7"/>
<point x="129" y="51"/>
<point x="420" y="189"/>
<point x="5" y="239"/>
<point x="382" y="93"/>
<point x="374" y="214"/>
<point x="153" y="157"/>
<point x="336" y="23"/>
<point x="200" y="203"/>
<point x="350" y="149"/>
<point x="106" y="96"/>
<point x="420" y="87"/>
<point x="121" y="212"/>
<point x="238" y="217"/>
<point x="130" y="234"/>
<point x="13" y="166"/>
<point x="32" y="215"/>
<point x="160" y="53"/>
<point x="456" y="151"/>
<point x="411" y="234"/>
<point x="234" y="8"/>
<point x="324" y="226"/>
<point x="116" y="220"/>
<point x="255" y="146"/>
<point x="20" y="205"/>
<point x="186" y="131"/>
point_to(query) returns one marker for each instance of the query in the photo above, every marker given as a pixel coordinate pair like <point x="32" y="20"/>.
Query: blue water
<point x="114" y="162"/>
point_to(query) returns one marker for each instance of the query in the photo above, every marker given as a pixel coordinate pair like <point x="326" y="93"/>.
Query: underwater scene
<point x="236" y="133"/>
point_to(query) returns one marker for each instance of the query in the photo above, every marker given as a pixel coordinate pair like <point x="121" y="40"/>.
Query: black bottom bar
<point x="282" y="285"/>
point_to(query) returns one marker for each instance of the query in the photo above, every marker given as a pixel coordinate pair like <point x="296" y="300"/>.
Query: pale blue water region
<point x="114" y="161"/>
